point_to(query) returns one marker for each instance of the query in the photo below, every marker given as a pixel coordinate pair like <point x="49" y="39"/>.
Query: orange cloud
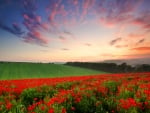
<point x="132" y="56"/>
<point x="141" y="49"/>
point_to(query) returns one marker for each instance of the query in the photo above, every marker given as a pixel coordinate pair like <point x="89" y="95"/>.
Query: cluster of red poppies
<point x="85" y="94"/>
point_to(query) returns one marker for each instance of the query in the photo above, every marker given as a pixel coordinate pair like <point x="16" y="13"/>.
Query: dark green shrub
<point x="65" y="85"/>
<point x="28" y="96"/>
<point x="112" y="87"/>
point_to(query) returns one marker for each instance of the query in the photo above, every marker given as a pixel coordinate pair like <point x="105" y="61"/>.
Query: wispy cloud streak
<point x="14" y="29"/>
<point x="113" y="42"/>
<point x="140" y="41"/>
<point x="88" y="44"/>
<point x="146" y="48"/>
<point x="65" y="49"/>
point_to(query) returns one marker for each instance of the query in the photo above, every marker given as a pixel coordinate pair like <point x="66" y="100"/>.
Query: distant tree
<point x="111" y="67"/>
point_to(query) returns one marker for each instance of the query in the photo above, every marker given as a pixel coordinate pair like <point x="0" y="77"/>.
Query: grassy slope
<point x="39" y="70"/>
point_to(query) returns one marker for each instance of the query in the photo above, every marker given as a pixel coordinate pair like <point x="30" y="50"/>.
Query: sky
<point x="74" y="30"/>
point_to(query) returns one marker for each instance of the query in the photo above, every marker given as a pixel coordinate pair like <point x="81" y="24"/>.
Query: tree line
<point x="112" y="67"/>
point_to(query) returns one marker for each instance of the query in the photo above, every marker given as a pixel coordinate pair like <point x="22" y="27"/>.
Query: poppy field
<point x="106" y="93"/>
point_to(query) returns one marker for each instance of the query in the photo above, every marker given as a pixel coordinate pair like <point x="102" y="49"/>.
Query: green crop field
<point x="14" y="70"/>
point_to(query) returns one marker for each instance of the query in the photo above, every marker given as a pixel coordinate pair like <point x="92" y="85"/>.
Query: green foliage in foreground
<point x="12" y="70"/>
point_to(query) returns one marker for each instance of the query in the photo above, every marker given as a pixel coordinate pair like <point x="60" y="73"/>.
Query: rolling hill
<point x="20" y="70"/>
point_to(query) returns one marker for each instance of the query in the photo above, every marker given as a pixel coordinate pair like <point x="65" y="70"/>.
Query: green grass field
<point x="14" y="70"/>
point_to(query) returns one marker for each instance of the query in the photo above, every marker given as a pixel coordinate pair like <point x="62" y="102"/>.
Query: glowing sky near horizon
<point x="74" y="30"/>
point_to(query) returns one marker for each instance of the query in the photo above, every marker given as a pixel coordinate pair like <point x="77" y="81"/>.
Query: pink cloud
<point x="31" y="22"/>
<point x="36" y="37"/>
<point x="147" y="26"/>
<point x="55" y="9"/>
<point x="106" y="23"/>
<point x="110" y="13"/>
<point x="62" y="10"/>
<point x="58" y="15"/>
<point x="142" y="20"/>
<point x="52" y="17"/>
<point x="34" y="24"/>
<point x="87" y="4"/>
<point x="38" y="19"/>
<point x="29" y="19"/>
<point x="115" y="12"/>
<point x="26" y="16"/>
<point x="45" y="26"/>
<point x="75" y="2"/>
<point x="138" y="21"/>
<point x="65" y="14"/>
<point x="40" y="37"/>
<point x="113" y="20"/>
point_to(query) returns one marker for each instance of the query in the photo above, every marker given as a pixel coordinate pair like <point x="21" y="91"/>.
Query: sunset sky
<point x="74" y="30"/>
